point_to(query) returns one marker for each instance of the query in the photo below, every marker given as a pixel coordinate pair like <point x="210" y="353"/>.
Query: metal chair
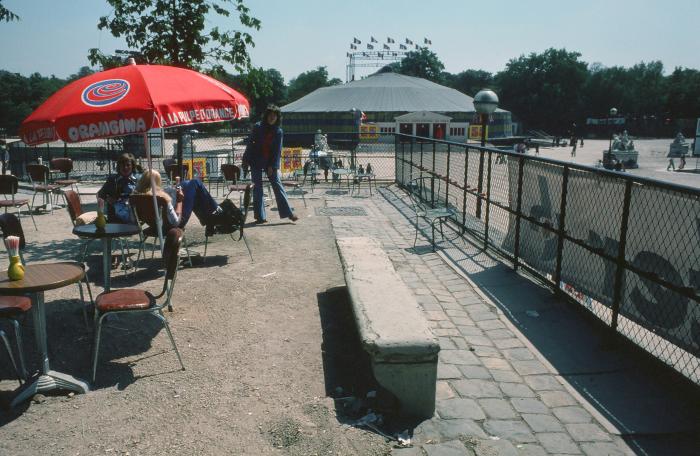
<point x="12" y="308"/>
<point x="210" y="229"/>
<point x="133" y="301"/>
<point x="429" y="204"/>
<point x="39" y="178"/>
<point x="64" y="165"/>
<point x="142" y="205"/>
<point x="11" y="226"/>
<point x="8" y="187"/>
<point x="231" y="173"/>
<point x="75" y="211"/>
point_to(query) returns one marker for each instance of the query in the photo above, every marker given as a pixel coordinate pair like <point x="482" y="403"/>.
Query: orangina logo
<point x="105" y="93"/>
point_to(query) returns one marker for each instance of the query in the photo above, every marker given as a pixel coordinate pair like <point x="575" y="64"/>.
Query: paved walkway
<point x="496" y="393"/>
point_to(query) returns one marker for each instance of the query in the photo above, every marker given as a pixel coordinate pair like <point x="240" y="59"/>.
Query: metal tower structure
<point x="378" y="55"/>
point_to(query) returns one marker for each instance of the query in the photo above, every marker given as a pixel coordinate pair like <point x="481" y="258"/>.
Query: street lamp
<point x="485" y="103"/>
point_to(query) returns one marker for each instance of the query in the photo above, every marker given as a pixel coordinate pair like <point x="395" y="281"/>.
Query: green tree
<point x="684" y="93"/>
<point x="175" y="32"/>
<point x="309" y="81"/>
<point x="82" y="72"/>
<point x="7" y="15"/>
<point x="469" y="81"/>
<point x="422" y="63"/>
<point x="20" y="95"/>
<point x="279" y="88"/>
<point x="544" y="90"/>
<point x="261" y="87"/>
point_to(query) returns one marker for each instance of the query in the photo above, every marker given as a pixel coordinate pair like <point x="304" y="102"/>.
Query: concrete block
<point x="393" y="329"/>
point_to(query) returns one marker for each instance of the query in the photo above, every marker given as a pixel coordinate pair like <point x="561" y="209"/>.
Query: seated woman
<point x="118" y="187"/>
<point x="191" y="197"/>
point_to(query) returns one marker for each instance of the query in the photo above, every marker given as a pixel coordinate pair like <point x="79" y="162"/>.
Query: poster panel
<point x="291" y="159"/>
<point x="663" y="239"/>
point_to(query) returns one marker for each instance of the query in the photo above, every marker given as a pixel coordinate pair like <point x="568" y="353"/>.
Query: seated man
<point x="118" y="187"/>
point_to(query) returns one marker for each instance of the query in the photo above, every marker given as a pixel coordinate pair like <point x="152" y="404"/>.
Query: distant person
<point x="574" y="142"/>
<point x="581" y="141"/>
<point x="264" y="153"/>
<point x="671" y="165"/>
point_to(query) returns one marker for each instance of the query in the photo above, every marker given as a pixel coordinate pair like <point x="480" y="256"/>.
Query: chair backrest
<point x="171" y="252"/>
<point x="75" y="208"/>
<point x="426" y="192"/>
<point x="174" y="170"/>
<point x="8" y="184"/>
<point x="11" y="226"/>
<point x="38" y="173"/>
<point x="231" y="172"/>
<point x="62" y="164"/>
<point x="143" y="207"/>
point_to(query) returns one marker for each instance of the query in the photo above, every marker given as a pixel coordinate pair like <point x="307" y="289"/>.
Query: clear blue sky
<point x="54" y="36"/>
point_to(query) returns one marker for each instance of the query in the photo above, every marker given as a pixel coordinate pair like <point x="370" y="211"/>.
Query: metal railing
<point x="624" y="247"/>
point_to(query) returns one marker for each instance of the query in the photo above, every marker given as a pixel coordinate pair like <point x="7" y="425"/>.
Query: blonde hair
<point x="143" y="186"/>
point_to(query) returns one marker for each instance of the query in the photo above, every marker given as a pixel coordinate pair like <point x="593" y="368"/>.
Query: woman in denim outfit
<point x="263" y="154"/>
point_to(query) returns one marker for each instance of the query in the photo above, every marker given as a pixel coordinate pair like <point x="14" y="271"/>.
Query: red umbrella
<point x="131" y="100"/>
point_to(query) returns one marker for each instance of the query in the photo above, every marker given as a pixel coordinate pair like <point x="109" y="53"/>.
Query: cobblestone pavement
<point x="495" y="396"/>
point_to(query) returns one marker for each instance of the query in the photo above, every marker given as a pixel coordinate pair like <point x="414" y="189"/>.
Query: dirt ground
<point x="262" y="341"/>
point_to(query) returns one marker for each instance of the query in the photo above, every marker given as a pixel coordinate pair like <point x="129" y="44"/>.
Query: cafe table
<point x="339" y="173"/>
<point x="109" y="232"/>
<point x="39" y="278"/>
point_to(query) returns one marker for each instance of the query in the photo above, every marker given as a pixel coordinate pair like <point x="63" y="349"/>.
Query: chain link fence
<point x="204" y="153"/>
<point x="625" y="248"/>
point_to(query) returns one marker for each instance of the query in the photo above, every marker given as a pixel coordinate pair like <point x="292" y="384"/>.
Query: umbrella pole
<point x="159" y="221"/>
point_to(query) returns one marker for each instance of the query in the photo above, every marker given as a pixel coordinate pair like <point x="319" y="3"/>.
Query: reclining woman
<point x="191" y="197"/>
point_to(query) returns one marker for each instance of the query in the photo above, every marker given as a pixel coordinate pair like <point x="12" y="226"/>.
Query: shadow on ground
<point x="347" y="369"/>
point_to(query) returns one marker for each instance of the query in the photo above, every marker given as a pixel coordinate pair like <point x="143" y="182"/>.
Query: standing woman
<point x="263" y="154"/>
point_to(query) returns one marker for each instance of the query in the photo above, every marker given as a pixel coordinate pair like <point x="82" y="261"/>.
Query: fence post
<point x="447" y="176"/>
<point x="432" y="181"/>
<point x="562" y="228"/>
<point x="518" y="213"/>
<point x="396" y="160"/>
<point x="464" y="189"/>
<point x="619" y="273"/>
<point x="480" y="184"/>
<point x="488" y="202"/>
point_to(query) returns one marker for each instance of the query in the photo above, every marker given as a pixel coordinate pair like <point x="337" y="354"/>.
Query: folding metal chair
<point x="132" y="301"/>
<point x="142" y="205"/>
<point x="8" y="187"/>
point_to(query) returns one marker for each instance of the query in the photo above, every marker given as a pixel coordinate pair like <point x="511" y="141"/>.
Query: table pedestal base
<point x="50" y="381"/>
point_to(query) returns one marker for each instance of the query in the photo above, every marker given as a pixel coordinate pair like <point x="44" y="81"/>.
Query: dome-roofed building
<point x="394" y="103"/>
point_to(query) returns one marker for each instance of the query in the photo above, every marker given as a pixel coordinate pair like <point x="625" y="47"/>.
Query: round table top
<point x="42" y="277"/>
<point x="341" y="171"/>
<point x="111" y="230"/>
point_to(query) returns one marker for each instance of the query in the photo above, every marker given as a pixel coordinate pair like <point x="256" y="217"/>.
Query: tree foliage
<point x="545" y="89"/>
<point x="469" y="81"/>
<point x="6" y="15"/>
<point x="20" y="95"/>
<point x="175" y="32"/>
<point x="422" y="63"/>
<point x="683" y="99"/>
<point x="309" y="81"/>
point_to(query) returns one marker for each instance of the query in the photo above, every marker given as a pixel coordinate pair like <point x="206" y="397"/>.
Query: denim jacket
<point x="253" y="155"/>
